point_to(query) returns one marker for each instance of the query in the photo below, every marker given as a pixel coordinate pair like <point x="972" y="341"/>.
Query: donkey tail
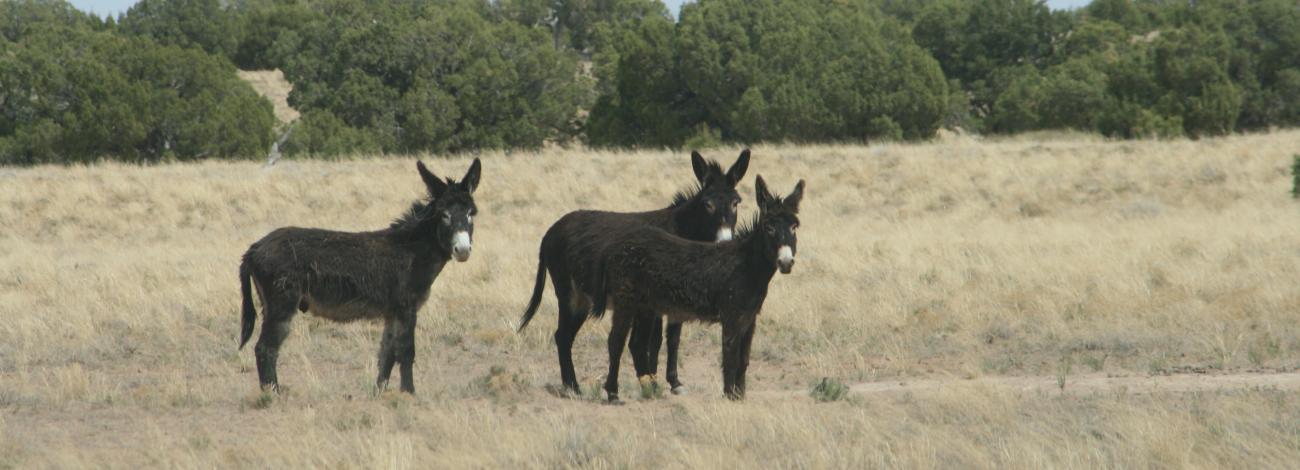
<point x="538" y="289"/>
<point x="250" y="313"/>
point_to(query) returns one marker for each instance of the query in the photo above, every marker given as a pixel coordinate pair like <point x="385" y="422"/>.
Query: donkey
<point x="568" y="252"/>
<point x="651" y="272"/>
<point x="346" y="276"/>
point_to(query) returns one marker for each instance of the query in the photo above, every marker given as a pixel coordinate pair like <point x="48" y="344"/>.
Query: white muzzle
<point x="785" y="259"/>
<point x="724" y="234"/>
<point x="460" y="246"/>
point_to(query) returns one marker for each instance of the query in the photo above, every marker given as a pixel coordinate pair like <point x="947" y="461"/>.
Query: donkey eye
<point x="446" y="216"/>
<point x="709" y="206"/>
<point x="735" y="203"/>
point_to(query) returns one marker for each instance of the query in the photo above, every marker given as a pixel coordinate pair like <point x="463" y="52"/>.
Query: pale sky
<point x="103" y="7"/>
<point x="113" y="7"/>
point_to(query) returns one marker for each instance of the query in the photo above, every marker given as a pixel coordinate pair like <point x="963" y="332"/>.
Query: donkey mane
<point x="743" y="231"/>
<point x="417" y="214"/>
<point x="684" y="196"/>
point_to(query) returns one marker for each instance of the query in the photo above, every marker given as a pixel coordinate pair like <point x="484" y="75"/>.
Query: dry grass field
<point x="1048" y="301"/>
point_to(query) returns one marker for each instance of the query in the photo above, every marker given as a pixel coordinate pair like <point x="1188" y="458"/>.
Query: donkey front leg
<point x="618" y="331"/>
<point x="736" y="335"/>
<point x="404" y="350"/>
<point x="742" y="356"/>
<point x="673" y="334"/>
<point x="397" y="347"/>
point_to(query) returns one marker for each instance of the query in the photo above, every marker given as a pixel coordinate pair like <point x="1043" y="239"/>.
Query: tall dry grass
<point x="953" y="259"/>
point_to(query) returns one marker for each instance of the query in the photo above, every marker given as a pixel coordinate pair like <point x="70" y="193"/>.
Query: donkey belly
<point x="681" y="316"/>
<point x="674" y="312"/>
<point x="342" y="312"/>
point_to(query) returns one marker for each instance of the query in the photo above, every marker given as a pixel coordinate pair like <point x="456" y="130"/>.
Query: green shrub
<point x="1295" y="176"/>
<point x="705" y="137"/>
<point x="439" y="76"/>
<point x="72" y="91"/>
<point x="884" y="129"/>
<point x="828" y="390"/>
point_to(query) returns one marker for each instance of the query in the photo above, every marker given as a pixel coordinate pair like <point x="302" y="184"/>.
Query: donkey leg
<point x="674" y="337"/>
<point x="732" y="344"/>
<point x="654" y="342"/>
<point x="275" y="328"/>
<point x="618" y="331"/>
<point x="566" y="330"/>
<point x="386" y="355"/>
<point x="742" y="356"/>
<point x="639" y="345"/>
<point x="404" y="351"/>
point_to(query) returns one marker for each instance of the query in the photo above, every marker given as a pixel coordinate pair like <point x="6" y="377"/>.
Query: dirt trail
<point x="1083" y="384"/>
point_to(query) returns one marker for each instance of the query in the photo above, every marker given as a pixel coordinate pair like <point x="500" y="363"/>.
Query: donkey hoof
<point x="614" y="401"/>
<point x="679" y="390"/>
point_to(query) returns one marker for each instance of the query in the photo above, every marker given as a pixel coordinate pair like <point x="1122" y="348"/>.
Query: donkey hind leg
<point x="397" y="347"/>
<point x="276" y="317"/>
<point x="673" y="334"/>
<point x="644" y="346"/>
<point x="618" y="331"/>
<point x="573" y="306"/>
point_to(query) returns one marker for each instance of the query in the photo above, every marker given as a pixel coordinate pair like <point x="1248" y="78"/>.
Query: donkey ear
<point x="435" y="184"/>
<point x="761" y="195"/>
<point x="792" y="201"/>
<point x="700" y="166"/>
<point x="737" y="170"/>
<point x="470" y="181"/>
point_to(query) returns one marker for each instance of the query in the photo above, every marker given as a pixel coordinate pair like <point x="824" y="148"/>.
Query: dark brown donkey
<point x="651" y="272"/>
<point x="569" y="253"/>
<point x="347" y="276"/>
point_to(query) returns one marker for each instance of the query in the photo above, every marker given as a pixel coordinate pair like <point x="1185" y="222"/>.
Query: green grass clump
<point x="829" y="390"/>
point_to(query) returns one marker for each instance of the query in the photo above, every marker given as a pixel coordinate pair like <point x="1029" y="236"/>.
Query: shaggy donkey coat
<point x="651" y="272"/>
<point x="347" y="276"/>
<point x="570" y="247"/>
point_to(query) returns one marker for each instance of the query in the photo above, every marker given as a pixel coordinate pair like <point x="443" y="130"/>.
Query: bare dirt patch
<point x="272" y="85"/>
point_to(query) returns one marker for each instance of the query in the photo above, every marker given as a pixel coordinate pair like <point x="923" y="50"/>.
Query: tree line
<point x="403" y="76"/>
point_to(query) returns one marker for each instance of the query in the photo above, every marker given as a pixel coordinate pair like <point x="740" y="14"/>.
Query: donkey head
<point x="717" y="197"/>
<point x="778" y="219"/>
<point x="452" y="209"/>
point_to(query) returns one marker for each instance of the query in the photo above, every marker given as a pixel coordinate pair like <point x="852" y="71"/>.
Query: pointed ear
<point x="761" y="195"/>
<point x="738" y="169"/>
<point x="470" y="181"/>
<point x="435" y="185"/>
<point x="700" y="166"/>
<point x="792" y="201"/>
